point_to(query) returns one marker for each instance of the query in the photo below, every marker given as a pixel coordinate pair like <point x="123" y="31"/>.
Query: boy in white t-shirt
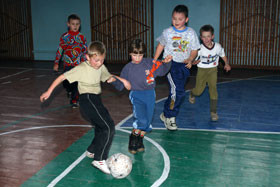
<point x="208" y="55"/>
<point x="180" y="42"/>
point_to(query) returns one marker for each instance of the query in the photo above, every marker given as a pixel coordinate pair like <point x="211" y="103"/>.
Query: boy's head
<point x="207" y="34"/>
<point x="96" y="54"/>
<point x="136" y="50"/>
<point x="206" y="28"/>
<point x="180" y="17"/>
<point x="74" y="22"/>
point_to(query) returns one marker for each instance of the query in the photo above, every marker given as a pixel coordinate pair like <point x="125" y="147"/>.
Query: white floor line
<point x="213" y="130"/>
<point x="15" y="74"/>
<point x="8" y="82"/>
<point x="157" y="183"/>
<point x="42" y="127"/>
<point x="166" y="159"/>
<point x="67" y="170"/>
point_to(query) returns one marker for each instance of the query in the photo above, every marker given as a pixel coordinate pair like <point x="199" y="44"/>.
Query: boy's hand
<point x="227" y="67"/>
<point x="55" y="67"/>
<point x="167" y="59"/>
<point x="195" y="62"/>
<point x="44" y="96"/>
<point x="188" y="63"/>
<point x="111" y="79"/>
<point x="127" y="84"/>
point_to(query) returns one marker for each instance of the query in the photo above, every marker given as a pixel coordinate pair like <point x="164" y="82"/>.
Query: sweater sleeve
<point x="60" y="49"/>
<point x="118" y="84"/>
<point x="163" y="69"/>
<point x="84" y="50"/>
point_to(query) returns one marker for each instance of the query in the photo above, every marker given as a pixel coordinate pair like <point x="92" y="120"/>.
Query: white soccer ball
<point x="120" y="165"/>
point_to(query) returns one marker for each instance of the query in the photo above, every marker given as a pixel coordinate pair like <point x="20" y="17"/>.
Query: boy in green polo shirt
<point x="89" y="75"/>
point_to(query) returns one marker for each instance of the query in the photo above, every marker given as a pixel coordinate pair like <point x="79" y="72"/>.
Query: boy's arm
<point x="84" y="50"/>
<point x="191" y="58"/>
<point x="56" y="82"/>
<point x="58" y="53"/>
<point x="125" y="82"/>
<point x="165" y="66"/>
<point x="227" y="66"/>
<point x="159" y="50"/>
<point x="119" y="82"/>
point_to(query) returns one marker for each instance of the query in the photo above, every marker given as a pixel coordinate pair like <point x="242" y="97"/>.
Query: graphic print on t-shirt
<point x="179" y="44"/>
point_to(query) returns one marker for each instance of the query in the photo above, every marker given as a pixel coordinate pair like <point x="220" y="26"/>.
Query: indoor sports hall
<point x="44" y="144"/>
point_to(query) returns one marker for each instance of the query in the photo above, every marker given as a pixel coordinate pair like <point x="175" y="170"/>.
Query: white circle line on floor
<point x="158" y="182"/>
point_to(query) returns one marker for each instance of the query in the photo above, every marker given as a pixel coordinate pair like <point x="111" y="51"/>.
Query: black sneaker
<point x="133" y="143"/>
<point x="140" y="147"/>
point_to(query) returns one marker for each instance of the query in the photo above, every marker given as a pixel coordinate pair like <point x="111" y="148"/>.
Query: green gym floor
<point x="189" y="158"/>
<point x="44" y="144"/>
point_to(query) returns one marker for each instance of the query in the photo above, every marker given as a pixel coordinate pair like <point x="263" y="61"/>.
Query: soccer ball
<point x="120" y="165"/>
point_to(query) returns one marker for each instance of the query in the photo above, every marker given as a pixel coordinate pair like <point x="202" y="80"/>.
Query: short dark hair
<point x="137" y="46"/>
<point x="206" y="28"/>
<point x="73" y="16"/>
<point x="181" y="9"/>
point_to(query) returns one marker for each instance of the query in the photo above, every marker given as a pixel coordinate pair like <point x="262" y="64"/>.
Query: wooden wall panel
<point x="117" y="22"/>
<point x="250" y="32"/>
<point x="16" y="30"/>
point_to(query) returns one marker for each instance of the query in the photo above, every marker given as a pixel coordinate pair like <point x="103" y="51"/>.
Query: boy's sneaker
<point x="169" y="123"/>
<point x="74" y="104"/>
<point x="214" y="116"/>
<point x="140" y="147"/>
<point x="89" y="154"/>
<point x="102" y="165"/>
<point x="133" y="143"/>
<point x="191" y="99"/>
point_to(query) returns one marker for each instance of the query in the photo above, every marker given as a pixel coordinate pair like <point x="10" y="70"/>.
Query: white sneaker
<point x="162" y="117"/>
<point x="170" y="123"/>
<point x="102" y="165"/>
<point x="89" y="154"/>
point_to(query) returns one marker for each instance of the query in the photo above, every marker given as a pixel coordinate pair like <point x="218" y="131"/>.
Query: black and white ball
<point x="120" y="165"/>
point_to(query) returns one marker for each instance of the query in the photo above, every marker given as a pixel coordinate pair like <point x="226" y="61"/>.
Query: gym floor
<point x="44" y="144"/>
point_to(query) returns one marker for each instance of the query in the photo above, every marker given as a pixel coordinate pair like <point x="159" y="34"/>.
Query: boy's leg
<point x="92" y="106"/>
<point x="143" y="106"/>
<point x="138" y="122"/>
<point x="200" y="85"/>
<point x="141" y="147"/>
<point x="133" y="141"/>
<point x="66" y="83"/>
<point x="177" y="78"/>
<point x="212" y="84"/>
<point x="74" y="94"/>
<point x="72" y="89"/>
<point x="149" y="99"/>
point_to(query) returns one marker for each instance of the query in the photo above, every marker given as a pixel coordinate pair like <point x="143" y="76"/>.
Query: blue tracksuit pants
<point x="143" y="102"/>
<point x="177" y="78"/>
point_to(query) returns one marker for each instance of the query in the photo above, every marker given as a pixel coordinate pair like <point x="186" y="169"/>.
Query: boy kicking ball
<point x="89" y="74"/>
